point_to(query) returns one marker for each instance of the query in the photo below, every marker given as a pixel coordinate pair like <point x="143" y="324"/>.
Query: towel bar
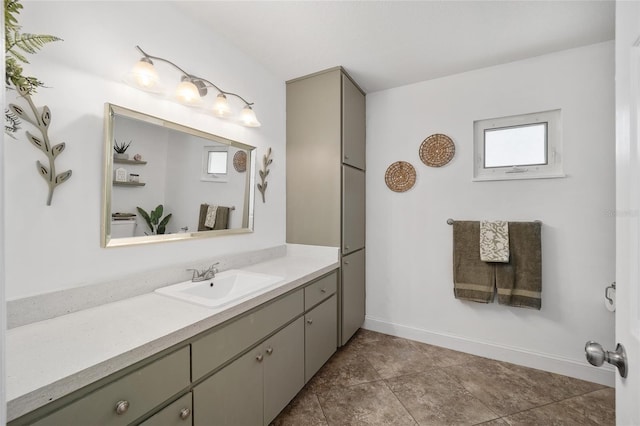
<point x="451" y="221"/>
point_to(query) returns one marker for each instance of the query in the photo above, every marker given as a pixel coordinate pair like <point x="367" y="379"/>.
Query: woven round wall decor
<point x="400" y="176"/>
<point x="437" y="150"/>
<point x="240" y="161"/>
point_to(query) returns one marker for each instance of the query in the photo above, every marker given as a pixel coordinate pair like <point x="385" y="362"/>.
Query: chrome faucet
<point x="205" y="274"/>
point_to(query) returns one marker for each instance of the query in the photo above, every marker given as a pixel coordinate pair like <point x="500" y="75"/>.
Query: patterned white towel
<point x="494" y="241"/>
<point x="210" y="219"/>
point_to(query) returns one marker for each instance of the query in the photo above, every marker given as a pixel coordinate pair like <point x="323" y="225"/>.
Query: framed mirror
<point x="165" y="182"/>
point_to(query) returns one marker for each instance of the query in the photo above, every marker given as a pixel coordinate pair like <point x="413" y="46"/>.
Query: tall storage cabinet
<point x="326" y="179"/>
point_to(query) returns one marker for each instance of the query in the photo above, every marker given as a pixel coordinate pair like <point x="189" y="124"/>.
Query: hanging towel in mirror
<point x="494" y="241"/>
<point x="222" y="218"/>
<point x="473" y="279"/>
<point x="519" y="282"/>
<point x="210" y="219"/>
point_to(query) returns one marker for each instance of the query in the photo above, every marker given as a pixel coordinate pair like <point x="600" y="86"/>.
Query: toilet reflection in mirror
<point x="186" y="171"/>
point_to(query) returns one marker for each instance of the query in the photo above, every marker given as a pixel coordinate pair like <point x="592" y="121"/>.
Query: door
<point x="353" y="124"/>
<point x="283" y="368"/>
<point x="353" y="209"/>
<point x="232" y="396"/>
<point x="320" y="336"/>
<point x="627" y="207"/>
<point x="353" y="293"/>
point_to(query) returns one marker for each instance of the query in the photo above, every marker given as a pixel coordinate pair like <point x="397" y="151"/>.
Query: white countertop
<point x="49" y="359"/>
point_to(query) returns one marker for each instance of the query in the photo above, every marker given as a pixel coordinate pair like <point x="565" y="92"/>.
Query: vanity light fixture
<point x="190" y="91"/>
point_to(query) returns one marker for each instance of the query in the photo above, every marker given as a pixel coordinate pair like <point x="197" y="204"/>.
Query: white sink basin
<point x="225" y="288"/>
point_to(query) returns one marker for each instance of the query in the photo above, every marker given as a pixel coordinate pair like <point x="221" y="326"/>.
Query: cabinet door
<point x="283" y="368"/>
<point x="353" y="124"/>
<point x="353" y="294"/>
<point x="314" y="160"/>
<point x="353" y="209"/>
<point x="320" y="336"/>
<point x="176" y="414"/>
<point x="232" y="396"/>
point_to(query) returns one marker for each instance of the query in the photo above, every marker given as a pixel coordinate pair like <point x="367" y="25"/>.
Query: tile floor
<point x="378" y="379"/>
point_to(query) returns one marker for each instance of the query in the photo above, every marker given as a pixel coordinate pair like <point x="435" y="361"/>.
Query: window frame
<point x="553" y="147"/>
<point x="213" y="177"/>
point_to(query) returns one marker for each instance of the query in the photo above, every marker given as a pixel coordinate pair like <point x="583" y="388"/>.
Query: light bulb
<point x="248" y="117"/>
<point x="187" y="92"/>
<point x="144" y="74"/>
<point x="221" y="107"/>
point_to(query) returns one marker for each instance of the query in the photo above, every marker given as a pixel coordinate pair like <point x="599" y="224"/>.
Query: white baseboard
<point x="578" y="369"/>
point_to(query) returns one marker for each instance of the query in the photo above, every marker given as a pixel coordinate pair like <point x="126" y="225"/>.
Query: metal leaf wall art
<point x="41" y="120"/>
<point x="266" y="161"/>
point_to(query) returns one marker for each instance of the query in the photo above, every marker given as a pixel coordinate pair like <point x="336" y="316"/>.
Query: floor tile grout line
<point x="401" y="403"/>
<point x="546" y="405"/>
<point x="455" y="379"/>
<point x="326" y="420"/>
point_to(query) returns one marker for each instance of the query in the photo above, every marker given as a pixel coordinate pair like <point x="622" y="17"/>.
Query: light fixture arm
<point x="146" y="55"/>
<point x="193" y="77"/>
<point x="222" y="91"/>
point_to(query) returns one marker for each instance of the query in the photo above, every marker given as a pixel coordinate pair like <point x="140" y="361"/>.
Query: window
<point x="518" y="147"/>
<point x="214" y="163"/>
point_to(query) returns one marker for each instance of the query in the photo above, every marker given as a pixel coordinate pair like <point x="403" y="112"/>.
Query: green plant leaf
<point x="29" y="43"/>
<point x="162" y="225"/>
<point x="156" y="214"/>
<point x="146" y="218"/>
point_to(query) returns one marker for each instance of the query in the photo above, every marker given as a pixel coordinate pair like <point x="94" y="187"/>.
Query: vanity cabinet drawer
<point x="320" y="290"/>
<point x="131" y="396"/>
<point x="212" y="350"/>
<point x="179" y="413"/>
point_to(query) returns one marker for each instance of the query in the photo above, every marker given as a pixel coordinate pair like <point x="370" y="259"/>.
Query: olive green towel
<point x="222" y="218"/>
<point x="473" y="279"/>
<point x="519" y="282"/>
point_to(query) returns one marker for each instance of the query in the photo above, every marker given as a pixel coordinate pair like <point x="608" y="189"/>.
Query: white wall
<point x="409" y="267"/>
<point x="58" y="247"/>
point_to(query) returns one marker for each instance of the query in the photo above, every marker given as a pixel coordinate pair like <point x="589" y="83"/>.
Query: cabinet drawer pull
<point x="185" y="413"/>
<point x="122" y="407"/>
<point x="323" y="290"/>
<point x="269" y="350"/>
<point x="259" y="357"/>
<point x="310" y="321"/>
<point x="346" y="262"/>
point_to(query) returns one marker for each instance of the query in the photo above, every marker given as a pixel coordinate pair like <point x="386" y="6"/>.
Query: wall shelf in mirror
<point x="123" y="161"/>
<point x="129" y="183"/>
<point x="173" y="165"/>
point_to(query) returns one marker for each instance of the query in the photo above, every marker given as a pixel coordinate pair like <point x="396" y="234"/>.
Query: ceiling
<point x="386" y="44"/>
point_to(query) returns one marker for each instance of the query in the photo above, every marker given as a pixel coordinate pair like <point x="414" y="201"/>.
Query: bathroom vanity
<point x="155" y="360"/>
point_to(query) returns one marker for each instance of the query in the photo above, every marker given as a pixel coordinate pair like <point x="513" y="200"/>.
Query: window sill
<point x="518" y="176"/>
